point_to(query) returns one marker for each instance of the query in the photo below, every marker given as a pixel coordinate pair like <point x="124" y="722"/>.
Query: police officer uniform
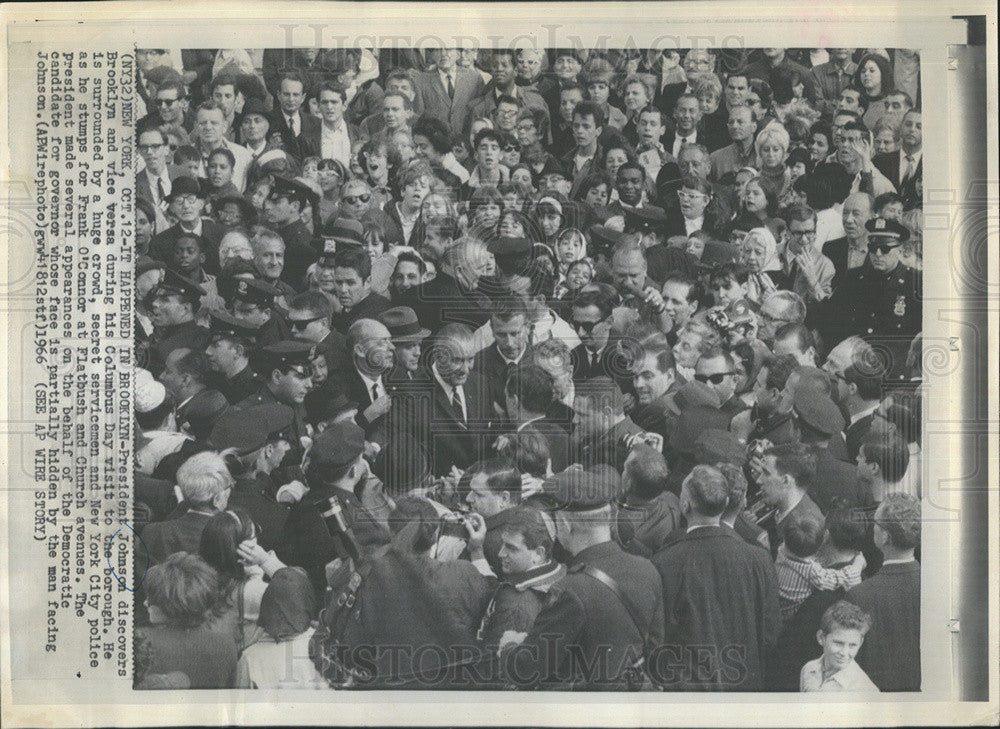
<point x="188" y="334"/>
<point x="245" y="382"/>
<point x="599" y="621"/>
<point x="263" y="294"/>
<point x="313" y="535"/>
<point x="247" y="431"/>
<point x="294" y="355"/>
<point x="884" y="308"/>
<point x="299" y="250"/>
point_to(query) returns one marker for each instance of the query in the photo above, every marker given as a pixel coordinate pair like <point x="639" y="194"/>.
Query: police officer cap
<point x="174" y="283"/>
<point x="253" y="291"/>
<point x="818" y="411"/>
<point x="604" y="237"/>
<point x="251" y="428"/>
<point x="577" y="490"/>
<point x="340" y="444"/>
<point x="287" y="353"/>
<point x="291" y="189"/>
<point x="887" y="230"/>
<point x="226" y="326"/>
<point x="646" y="220"/>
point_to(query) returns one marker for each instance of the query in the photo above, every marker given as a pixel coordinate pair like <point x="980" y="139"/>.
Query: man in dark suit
<point x="590" y="318"/>
<point x="850" y="252"/>
<point x="447" y="92"/>
<point x="456" y="419"/>
<point x="186" y="377"/>
<point x="288" y="120"/>
<point x="204" y="484"/>
<point x="719" y="594"/>
<point x="452" y="295"/>
<point x="370" y="350"/>
<point x="509" y="349"/>
<point x="154" y="182"/>
<point x="191" y="203"/>
<point x="528" y="394"/>
<point x="229" y="356"/>
<point x="891" y="655"/>
<point x="905" y="168"/>
<point x="604" y="434"/>
<point x="685" y="129"/>
<point x="785" y="474"/>
<point x="353" y="287"/>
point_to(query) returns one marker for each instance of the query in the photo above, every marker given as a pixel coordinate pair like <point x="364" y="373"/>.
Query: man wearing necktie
<point x="287" y="119"/>
<point x="457" y="429"/>
<point x="154" y="182"/>
<point x="905" y="167"/>
<point x="447" y="91"/>
<point x="687" y="115"/>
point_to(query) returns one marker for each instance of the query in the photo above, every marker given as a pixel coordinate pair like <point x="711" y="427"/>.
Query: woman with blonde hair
<point x="771" y="146"/>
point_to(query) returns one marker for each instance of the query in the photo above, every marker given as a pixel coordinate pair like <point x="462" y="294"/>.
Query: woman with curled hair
<point x="182" y="594"/>
<point x="229" y="545"/>
<point x="771" y="146"/>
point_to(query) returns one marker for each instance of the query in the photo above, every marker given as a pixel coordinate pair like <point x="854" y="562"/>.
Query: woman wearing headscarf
<point x="280" y="659"/>
<point x="760" y="256"/>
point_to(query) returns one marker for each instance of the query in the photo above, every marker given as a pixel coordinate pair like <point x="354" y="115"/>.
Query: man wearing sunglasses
<point x="881" y="298"/>
<point x="309" y="317"/>
<point x="169" y="109"/>
<point x="717" y="369"/>
<point x="591" y="320"/>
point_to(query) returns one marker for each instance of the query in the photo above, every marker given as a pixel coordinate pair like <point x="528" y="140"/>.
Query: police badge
<point x="900" y="308"/>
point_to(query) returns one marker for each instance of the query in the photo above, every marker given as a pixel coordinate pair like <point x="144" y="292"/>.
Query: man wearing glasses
<point x="169" y="109"/>
<point x="155" y="181"/>
<point x="881" y="299"/>
<point x="591" y="320"/>
<point x="309" y="319"/>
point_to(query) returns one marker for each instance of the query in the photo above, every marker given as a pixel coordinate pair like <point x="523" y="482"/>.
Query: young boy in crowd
<point x="842" y="631"/>
<point x="799" y="573"/>
<point x="220" y="174"/>
<point x="189" y="160"/>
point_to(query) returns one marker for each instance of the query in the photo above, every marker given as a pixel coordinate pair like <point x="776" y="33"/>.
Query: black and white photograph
<point x="546" y="369"/>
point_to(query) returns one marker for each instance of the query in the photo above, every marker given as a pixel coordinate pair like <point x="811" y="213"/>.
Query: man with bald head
<point x="741" y="152"/>
<point x="370" y="350"/>
<point x="851" y="251"/>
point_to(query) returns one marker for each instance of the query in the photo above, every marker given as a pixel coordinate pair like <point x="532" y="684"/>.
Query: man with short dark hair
<point x="891" y="655"/>
<point x="587" y="154"/>
<point x="528" y="395"/>
<point x="719" y="594"/>
<point x="504" y="84"/>
<point x="786" y="472"/>
<point x="649" y="513"/>
<point x="604" y="434"/>
<point x="287" y="118"/>
<point x="353" y="286"/>
<point x="655" y="381"/>
<point x="334" y="138"/>
<point x="717" y="369"/>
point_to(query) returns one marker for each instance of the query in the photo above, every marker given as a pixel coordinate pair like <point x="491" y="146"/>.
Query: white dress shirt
<point x="680" y="141"/>
<point x="336" y="143"/>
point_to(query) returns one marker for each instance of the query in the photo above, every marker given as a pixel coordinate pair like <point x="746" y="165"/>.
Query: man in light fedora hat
<point x="407" y="336"/>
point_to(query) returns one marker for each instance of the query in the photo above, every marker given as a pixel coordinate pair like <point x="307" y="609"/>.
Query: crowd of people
<point x="562" y="369"/>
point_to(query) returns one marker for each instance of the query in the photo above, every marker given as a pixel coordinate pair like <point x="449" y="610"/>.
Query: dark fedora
<point x="401" y="321"/>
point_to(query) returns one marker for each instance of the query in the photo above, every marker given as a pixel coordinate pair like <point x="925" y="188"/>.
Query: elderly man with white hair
<point x="203" y="487"/>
